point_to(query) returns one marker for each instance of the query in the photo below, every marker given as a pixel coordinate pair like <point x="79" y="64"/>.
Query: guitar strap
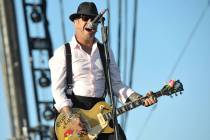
<point x="69" y="78"/>
<point x="69" y="82"/>
<point x="104" y="63"/>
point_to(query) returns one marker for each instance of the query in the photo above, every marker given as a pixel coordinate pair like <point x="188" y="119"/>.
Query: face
<point x="82" y="31"/>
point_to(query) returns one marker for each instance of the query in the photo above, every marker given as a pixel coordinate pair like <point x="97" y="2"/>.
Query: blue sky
<point x="164" y="29"/>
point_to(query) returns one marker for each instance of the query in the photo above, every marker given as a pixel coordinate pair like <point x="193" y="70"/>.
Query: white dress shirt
<point x="88" y="75"/>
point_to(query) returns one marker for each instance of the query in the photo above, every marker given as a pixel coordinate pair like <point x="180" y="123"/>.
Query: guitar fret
<point x="118" y="111"/>
<point x="137" y="103"/>
<point x="123" y="109"/>
<point x="109" y="115"/>
<point x="158" y="94"/>
<point x="131" y="105"/>
<point x="126" y="108"/>
<point x="105" y="117"/>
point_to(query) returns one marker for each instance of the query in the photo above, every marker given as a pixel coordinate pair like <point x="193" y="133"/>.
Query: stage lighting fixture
<point x="44" y="81"/>
<point x="48" y="113"/>
<point x="36" y="15"/>
<point x="39" y="43"/>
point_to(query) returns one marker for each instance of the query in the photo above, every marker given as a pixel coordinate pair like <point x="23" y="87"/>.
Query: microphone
<point x="93" y="24"/>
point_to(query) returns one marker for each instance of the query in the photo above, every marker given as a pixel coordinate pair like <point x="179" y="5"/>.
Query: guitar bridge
<point x="94" y="131"/>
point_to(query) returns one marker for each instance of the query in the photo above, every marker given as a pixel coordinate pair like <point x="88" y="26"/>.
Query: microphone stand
<point x="104" y="33"/>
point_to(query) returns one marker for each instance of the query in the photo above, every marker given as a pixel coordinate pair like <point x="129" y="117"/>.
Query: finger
<point x="146" y="103"/>
<point x="149" y="93"/>
<point x="83" y="128"/>
<point x="153" y="99"/>
<point x="82" y="125"/>
<point x="81" y="132"/>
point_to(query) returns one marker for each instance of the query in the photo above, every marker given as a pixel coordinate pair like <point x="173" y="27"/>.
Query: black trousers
<point x="111" y="136"/>
<point x="87" y="103"/>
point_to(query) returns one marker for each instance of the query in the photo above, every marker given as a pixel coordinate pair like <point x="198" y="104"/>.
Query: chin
<point x="90" y="36"/>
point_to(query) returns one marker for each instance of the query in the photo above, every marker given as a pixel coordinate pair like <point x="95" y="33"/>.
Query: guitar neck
<point x="129" y="106"/>
<point x="171" y="88"/>
<point x="134" y="104"/>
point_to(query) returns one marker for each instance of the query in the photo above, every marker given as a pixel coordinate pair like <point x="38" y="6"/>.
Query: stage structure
<point x="12" y="71"/>
<point x="40" y="50"/>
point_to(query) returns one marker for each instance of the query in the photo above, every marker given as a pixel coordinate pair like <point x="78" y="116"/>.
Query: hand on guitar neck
<point x="149" y="99"/>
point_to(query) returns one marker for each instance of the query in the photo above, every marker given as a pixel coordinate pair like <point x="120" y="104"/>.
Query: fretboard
<point x="129" y="106"/>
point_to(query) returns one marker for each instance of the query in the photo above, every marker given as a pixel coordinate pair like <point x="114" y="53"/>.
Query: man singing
<point x="87" y="73"/>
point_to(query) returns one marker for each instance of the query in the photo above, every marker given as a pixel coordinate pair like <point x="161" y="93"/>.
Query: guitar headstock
<point x="172" y="87"/>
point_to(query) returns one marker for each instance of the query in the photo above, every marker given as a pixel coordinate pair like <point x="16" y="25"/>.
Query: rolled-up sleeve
<point x="120" y="90"/>
<point x="57" y="65"/>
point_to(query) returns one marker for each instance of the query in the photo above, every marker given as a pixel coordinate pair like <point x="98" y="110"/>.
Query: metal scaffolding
<point x="13" y="77"/>
<point x="34" y="13"/>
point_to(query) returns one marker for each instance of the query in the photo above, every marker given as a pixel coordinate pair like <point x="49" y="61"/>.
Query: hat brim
<point x="74" y="16"/>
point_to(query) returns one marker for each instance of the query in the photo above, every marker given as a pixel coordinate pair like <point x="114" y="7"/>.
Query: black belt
<point x="84" y="102"/>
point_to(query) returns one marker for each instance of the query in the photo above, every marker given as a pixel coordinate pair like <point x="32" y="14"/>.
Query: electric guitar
<point x="97" y="119"/>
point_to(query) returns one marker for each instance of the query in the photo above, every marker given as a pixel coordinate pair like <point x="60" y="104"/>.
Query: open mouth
<point x="89" y="30"/>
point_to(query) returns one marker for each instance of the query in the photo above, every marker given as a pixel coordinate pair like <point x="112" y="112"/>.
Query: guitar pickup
<point x="101" y="119"/>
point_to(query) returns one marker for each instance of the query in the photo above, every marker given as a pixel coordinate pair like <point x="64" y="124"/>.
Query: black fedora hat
<point x="85" y="8"/>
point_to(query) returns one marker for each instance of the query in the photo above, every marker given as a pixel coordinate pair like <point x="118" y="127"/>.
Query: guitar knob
<point x="102" y="107"/>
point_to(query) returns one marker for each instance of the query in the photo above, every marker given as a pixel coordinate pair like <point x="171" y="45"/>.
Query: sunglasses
<point x="86" y="18"/>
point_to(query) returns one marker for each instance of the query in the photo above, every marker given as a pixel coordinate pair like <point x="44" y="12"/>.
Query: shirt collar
<point x="74" y="44"/>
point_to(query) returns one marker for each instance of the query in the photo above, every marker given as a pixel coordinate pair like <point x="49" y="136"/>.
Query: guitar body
<point x="93" y="120"/>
